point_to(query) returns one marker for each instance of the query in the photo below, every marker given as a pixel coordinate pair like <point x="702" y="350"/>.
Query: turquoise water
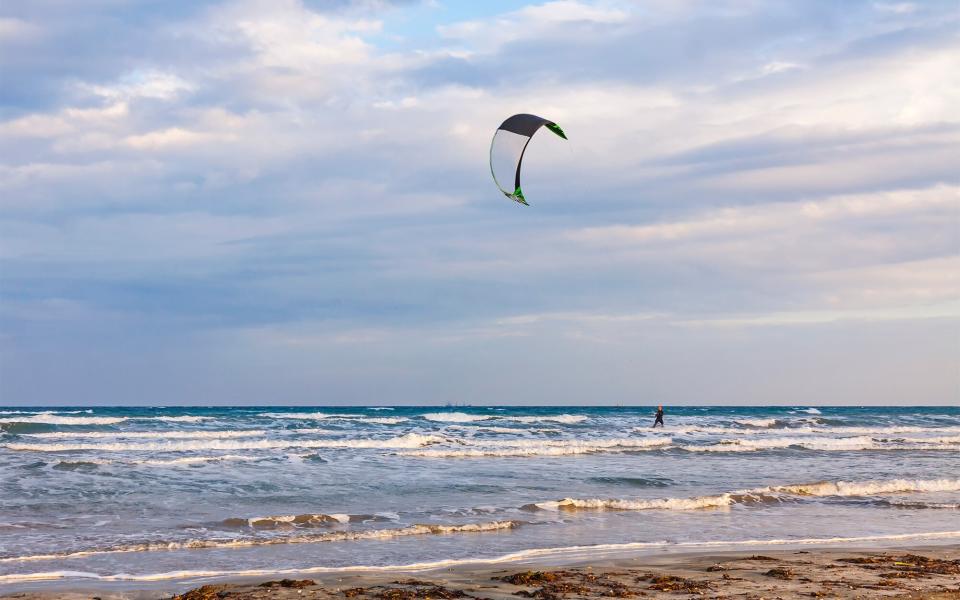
<point x="169" y="496"/>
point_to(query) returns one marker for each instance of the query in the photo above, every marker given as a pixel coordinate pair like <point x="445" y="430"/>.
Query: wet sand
<point x="931" y="572"/>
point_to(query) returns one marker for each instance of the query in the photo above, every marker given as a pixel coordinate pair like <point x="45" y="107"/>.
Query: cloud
<point x="781" y="217"/>
<point x="141" y="84"/>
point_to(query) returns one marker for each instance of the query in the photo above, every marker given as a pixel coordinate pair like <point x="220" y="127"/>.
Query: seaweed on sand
<point x="296" y="584"/>
<point x="909" y="566"/>
<point x="672" y="583"/>
<point x="558" y="584"/>
<point x="780" y="573"/>
<point x="412" y="590"/>
<point x="531" y="577"/>
<point x="434" y="591"/>
<point x="206" y="592"/>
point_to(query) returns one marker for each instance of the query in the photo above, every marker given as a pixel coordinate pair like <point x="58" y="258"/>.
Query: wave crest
<point x="331" y="536"/>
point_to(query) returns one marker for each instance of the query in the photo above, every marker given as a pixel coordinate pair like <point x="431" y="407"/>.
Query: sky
<point x="289" y="202"/>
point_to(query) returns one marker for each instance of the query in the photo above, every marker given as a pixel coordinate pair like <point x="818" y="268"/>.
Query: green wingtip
<point x="518" y="196"/>
<point x="556" y="129"/>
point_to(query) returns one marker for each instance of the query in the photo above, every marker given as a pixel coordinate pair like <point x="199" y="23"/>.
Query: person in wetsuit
<point x="659" y="419"/>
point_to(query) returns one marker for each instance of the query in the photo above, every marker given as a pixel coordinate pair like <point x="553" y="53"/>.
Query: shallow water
<point x="157" y="494"/>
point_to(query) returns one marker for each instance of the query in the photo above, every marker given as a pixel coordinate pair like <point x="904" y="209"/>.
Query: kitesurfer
<point x="659" y="418"/>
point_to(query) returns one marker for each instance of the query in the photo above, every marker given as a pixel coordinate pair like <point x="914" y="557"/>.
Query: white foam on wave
<point x="868" y="488"/>
<point x="787" y="427"/>
<point x="863" y="442"/>
<point x="308" y="520"/>
<point x="565" y="419"/>
<point x="758" y="495"/>
<point x="189" y="460"/>
<point x="327" y="536"/>
<point x="873" y="431"/>
<point x="148" y="434"/>
<point x="507" y="430"/>
<point x="529" y="448"/>
<point x="158" y="462"/>
<point x="384" y="420"/>
<point x="178" y="419"/>
<point x="462" y="417"/>
<point x="941" y="440"/>
<point x="762" y="423"/>
<point x="52" y="419"/>
<point x="456" y="417"/>
<point x="810" y="443"/>
<point x="304" y="520"/>
<point x="720" y="500"/>
<point x="916" y="504"/>
<point x="410" y="440"/>
<point x="567" y="553"/>
<point x="318" y="416"/>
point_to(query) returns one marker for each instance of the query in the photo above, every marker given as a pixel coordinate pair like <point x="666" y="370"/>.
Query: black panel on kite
<point x="507" y="148"/>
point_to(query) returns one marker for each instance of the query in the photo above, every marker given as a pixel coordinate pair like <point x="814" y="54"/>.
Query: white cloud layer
<point x="254" y="179"/>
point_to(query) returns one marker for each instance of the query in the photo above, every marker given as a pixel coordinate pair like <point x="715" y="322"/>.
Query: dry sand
<point x="932" y="572"/>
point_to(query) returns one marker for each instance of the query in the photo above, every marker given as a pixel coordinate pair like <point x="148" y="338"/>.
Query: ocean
<point x="139" y="497"/>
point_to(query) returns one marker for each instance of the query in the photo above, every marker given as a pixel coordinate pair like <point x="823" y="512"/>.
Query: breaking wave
<point x="915" y="504"/>
<point x="305" y="521"/>
<point x="565" y="419"/>
<point x="384" y="420"/>
<point x="189" y="460"/>
<point x="495" y="429"/>
<point x="180" y="419"/>
<point x="759" y="423"/>
<point x="52" y="419"/>
<point x="810" y="443"/>
<point x="410" y="440"/>
<point x="149" y="434"/>
<point x="869" y="488"/>
<point x="318" y="416"/>
<point x="456" y="417"/>
<point x="330" y="536"/>
<point x="623" y="504"/>
<point x="521" y="448"/>
<point x="757" y="496"/>
<point x="863" y="442"/>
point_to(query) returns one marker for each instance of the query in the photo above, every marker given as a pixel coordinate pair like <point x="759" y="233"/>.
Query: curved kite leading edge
<point x="507" y="148"/>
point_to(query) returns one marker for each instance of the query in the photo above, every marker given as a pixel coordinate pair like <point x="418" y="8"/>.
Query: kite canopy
<point x="507" y="148"/>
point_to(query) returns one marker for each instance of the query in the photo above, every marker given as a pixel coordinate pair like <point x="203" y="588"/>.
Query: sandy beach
<point x="902" y="573"/>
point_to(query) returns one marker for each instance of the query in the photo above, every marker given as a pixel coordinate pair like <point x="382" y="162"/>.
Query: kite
<point x="507" y="148"/>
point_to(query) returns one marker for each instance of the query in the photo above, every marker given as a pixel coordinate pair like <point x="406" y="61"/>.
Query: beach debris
<point x="672" y="583"/>
<point x="530" y="578"/>
<point x="716" y="567"/>
<point x="289" y="583"/>
<point x="557" y="584"/>
<point x="412" y="589"/>
<point x="431" y="592"/>
<point x="780" y="573"/>
<point x="206" y="592"/>
<point x="908" y="566"/>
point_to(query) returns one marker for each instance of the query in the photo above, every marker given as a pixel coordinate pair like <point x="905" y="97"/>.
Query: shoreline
<point x="889" y="571"/>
